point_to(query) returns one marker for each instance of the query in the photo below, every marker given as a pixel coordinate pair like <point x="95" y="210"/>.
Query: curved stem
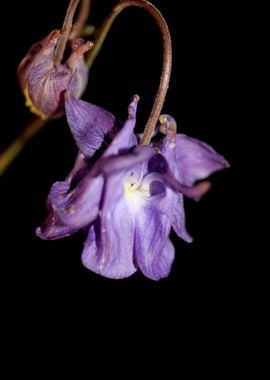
<point x="167" y="56"/>
<point x="66" y="29"/>
<point x="8" y="156"/>
<point x="79" y="25"/>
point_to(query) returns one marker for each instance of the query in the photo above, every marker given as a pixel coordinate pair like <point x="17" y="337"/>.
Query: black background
<point x="43" y="276"/>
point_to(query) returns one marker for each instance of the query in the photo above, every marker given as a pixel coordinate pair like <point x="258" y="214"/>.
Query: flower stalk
<point x="167" y="56"/>
<point x="65" y="33"/>
<point x="8" y="156"/>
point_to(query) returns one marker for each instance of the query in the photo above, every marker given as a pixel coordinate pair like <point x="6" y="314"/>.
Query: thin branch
<point x="167" y="56"/>
<point x="8" y="156"/>
<point x="79" y="25"/>
<point x="66" y="29"/>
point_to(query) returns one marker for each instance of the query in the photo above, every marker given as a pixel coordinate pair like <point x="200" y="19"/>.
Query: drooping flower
<point x="44" y="79"/>
<point x="128" y="200"/>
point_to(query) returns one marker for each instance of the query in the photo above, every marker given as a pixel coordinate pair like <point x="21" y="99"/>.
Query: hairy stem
<point x="66" y="29"/>
<point x="167" y="56"/>
<point x="79" y="25"/>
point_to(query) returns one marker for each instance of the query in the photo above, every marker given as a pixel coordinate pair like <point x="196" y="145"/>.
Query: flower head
<point x="128" y="200"/>
<point x="43" y="76"/>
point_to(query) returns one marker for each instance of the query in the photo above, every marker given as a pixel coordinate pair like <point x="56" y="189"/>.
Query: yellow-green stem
<point x="8" y="156"/>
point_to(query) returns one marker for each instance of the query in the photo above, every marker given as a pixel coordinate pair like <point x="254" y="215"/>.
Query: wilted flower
<point x="128" y="200"/>
<point x="44" y="78"/>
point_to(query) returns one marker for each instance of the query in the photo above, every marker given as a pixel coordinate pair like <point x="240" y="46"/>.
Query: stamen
<point x="167" y="126"/>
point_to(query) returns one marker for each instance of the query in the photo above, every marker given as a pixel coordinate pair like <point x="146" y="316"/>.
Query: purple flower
<point x="128" y="200"/>
<point x="44" y="83"/>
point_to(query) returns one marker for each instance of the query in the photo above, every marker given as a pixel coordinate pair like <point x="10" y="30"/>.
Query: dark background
<point x="203" y="98"/>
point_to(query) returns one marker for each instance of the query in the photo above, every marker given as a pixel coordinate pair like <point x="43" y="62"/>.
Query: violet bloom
<point x="44" y="83"/>
<point x="128" y="200"/>
<point x="44" y="75"/>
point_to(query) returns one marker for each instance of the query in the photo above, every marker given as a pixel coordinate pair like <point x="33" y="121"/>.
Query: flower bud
<point x="44" y="82"/>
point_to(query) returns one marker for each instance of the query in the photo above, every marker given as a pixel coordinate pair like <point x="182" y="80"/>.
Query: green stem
<point x="8" y="156"/>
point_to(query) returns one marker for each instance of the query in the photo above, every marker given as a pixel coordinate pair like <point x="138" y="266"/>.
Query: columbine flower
<point x="44" y="78"/>
<point x="128" y="200"/>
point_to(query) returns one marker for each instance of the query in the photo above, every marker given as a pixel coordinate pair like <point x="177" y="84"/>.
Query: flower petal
<point x="109" y="246"/>
<point x="190" y="160"/>
<point x="125" y="161"/>
<point x="53" y="228"/>
<point x="76" y="63"/>
<point x="153" y="223"/>
<point x="79" y="207"/>
<point x="169" y="171"/>
<point x="46" y="86"/>
<point x="151" y="243"/>
<point x="80" y="168"/>
<point x="196" y="160"/>
<point x="88" y="124"/>
<point x="179" y="220"/>
<point x="125" y="138"/>
<point x="158" y="164"/>
<point x="40" y="53"/>
<point x="195" y="192"/>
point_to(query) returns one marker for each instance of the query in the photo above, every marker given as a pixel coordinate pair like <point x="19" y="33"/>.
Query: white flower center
<point x="135" y="189"/>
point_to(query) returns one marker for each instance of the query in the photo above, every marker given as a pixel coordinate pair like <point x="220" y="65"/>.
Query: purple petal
<point x="109" y="246"/>
<point x="170" y="173"/>
<point x="44" y="83"/>
<point x="79" y="207"/>
<point x="125" y="138"/>
<point x="195" y="192"/>
<point x="78" y="66"/>
<point x="151" y="243"/>
<point x="46" y="86"/>
<point x="153" y="223"/>
<point x="166" y="260"/>
<point x="53" y="228"/>
<point x="125" y="161"/>
<point x="88" y="124"/>
<point x="40" y="52"/>
<point x="196" y="160"/>
<point x="160" y="165"/>
<point x="80" y="168"/>
<point x="179" y="220"/>
<point x="79" y="79"/>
